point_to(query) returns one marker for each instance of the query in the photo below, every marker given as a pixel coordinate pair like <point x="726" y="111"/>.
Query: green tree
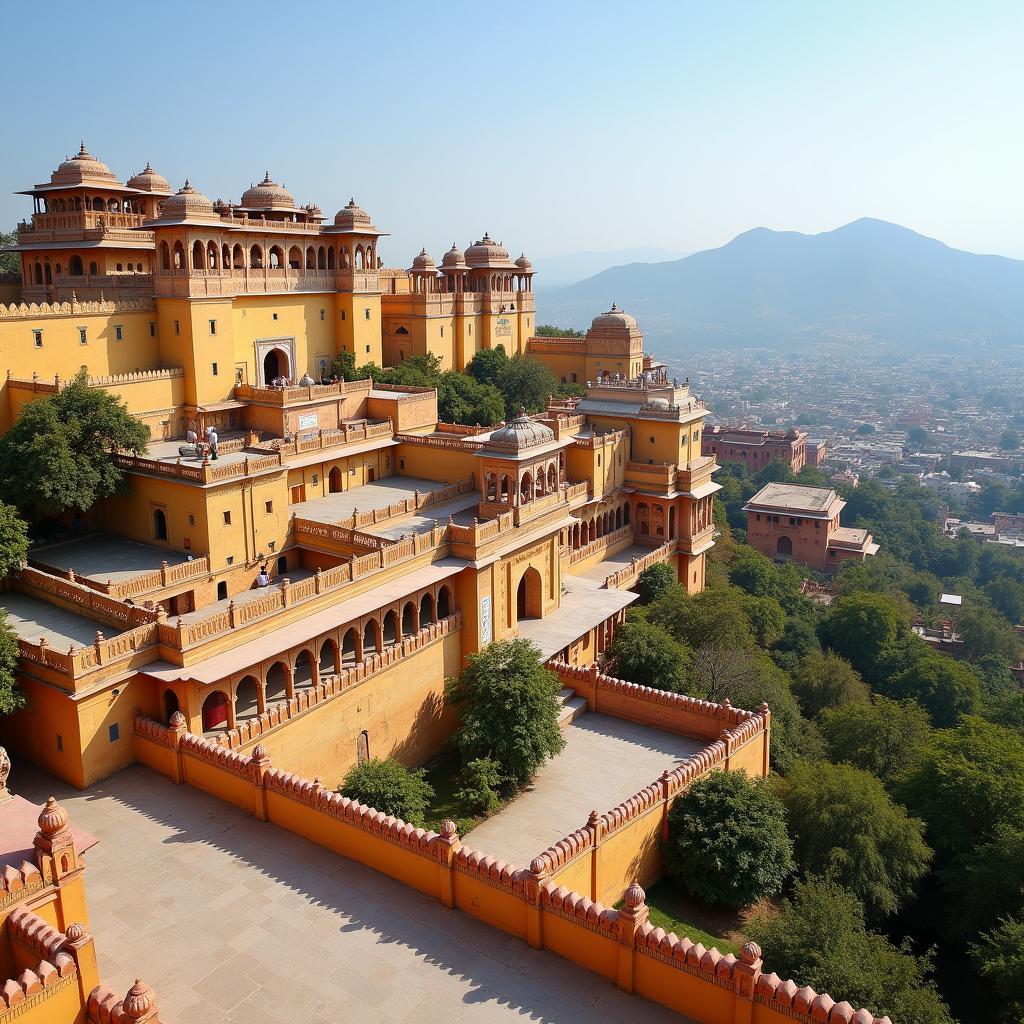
<point x="861" y="627"/>
<point x="550" y="331"/>
<point x="727" y="840"/>
<point x="819" y="938"/>
<point x="11" y="697"/>
<point x="712" y="617"/>
<point x="509" y="710"/>
<point x="986" y="633"/>
<point x="460" y="399"/>
<point x="654" y="581"/>
<point x="766" y="617"/>
<point x="1009" y="440"/>
<point x="760" y="576"/>
<point x="646" y="654"/>
<point x="845" y="827"/>
<point x="827" y="680"/>
<point x="918" y="436"/>
<point x="59" y="452"/>
<point x="343" y="365"/>
<point x="999" y="960"/>
<point x="481" y="780"/>
<point x="391" y="788"/>
<point x="10" y="262"/>
<point x="946" y="688"/>
<point x="13" y="540"/>
<point x="884" y="737"/>
<point x="486" y="366"/>
<point x="866" y="428"/>
<point x="525" y="382"/>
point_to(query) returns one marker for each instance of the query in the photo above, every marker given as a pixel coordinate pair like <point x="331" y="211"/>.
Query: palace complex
<point x="299" y="599"/>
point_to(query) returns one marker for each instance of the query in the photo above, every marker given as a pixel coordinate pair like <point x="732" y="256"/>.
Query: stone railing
<point x="480" y="532"/>
<point x="599" y="440"/>
<point x="621" y="945"/>
<point x="145" y="583"/>
<point x="601" y="544"/>
<point x="540" y="506"/>
<point x="79" y="661"/>
<point x="295" y="395"/>
<point x="625" y="577"/>
<point x="205" y="472"/>
<point x="459" y="444"/>
<point x="348" y="433"/>
<point x="662" y="474"/>
<point x="83" y="600"/>
<point x="25" y="310"/>
<point x="465" y="430"/>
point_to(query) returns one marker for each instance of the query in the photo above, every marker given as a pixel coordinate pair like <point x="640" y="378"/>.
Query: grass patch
<point x="446" y="780"/>
<point x="676" y="912"/>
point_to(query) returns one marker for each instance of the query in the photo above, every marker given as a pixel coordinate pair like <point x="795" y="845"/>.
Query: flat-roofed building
<point x="756" y="448"/>
<point x="802" y="523"/>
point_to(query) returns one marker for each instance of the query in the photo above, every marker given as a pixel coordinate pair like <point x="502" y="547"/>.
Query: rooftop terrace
<point x="31" y="619"/>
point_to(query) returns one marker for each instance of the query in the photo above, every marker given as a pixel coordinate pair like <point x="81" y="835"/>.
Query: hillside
<point x="869" y="280"/>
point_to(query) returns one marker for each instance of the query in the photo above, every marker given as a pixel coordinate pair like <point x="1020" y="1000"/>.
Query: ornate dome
<point x="454" y="258"/>
<point x="487" y="253"/>
<point x="424" y="261"/>
<point x="187" y="201"/>
<point x="614" y="318"/>
<point x="520" y="433"/>
<point x="353" y="218"/>
<point x="268" y="195"/>
<point x="147" y="180"/>
<point x="83" y="166"/>
<point x="523" y="263"/>
<point x="53" y="818"/>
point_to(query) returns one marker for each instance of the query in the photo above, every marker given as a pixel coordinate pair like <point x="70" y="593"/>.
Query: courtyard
<point x="605" y="761"/>
<point x="232" y="920"/>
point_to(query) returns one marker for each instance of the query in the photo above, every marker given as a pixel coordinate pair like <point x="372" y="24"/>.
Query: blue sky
<point x="555" y="126"/>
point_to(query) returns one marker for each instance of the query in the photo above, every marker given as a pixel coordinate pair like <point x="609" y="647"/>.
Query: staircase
<point x="572" y="707"/>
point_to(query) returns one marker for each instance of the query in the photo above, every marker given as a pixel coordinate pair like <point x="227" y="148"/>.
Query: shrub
<point x="481" y="779"/>
<point x="654" y="581"/>
<point x="391" y="788"/>
<point x="727" y="840"/>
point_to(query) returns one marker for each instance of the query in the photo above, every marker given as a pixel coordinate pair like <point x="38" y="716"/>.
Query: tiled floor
<point x="231" y="920"/>
<point x="605" y="760"/>
<point x="31" y="618"/>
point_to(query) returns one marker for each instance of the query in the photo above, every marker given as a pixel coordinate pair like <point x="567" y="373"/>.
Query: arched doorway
<point x="275" y="364"/>
<point x="334" y="481"/>
<point x="363" y="747"/>
<point x="170" y="705"/>
<point x="215" y="711"/>
<point x="159" y="524"/>
<point x="529" y="597"/>
<point x="784" y="547"/>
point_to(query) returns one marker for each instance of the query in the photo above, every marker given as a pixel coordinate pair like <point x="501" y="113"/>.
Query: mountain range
<point x="571" y="267"/>
<point x="868" y="281"/>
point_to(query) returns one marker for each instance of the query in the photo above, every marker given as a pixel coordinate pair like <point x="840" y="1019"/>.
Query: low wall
<point x="622" y="846"/>
<point x="621" y="945"/>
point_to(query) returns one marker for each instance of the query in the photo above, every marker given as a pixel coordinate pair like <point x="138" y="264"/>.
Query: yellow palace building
<point x="310" y="589"/>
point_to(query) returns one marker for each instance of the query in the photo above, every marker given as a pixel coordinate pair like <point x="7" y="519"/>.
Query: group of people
<point x="281" y="382"/>
<point x="208" y="445"/>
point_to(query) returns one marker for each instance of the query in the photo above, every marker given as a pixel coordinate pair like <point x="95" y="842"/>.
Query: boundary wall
<point x="620" y="945"/>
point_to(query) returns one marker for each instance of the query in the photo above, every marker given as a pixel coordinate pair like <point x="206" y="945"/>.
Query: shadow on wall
<point x="498" y="968"/>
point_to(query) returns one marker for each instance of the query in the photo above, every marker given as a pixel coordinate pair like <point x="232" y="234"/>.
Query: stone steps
<point x="572" y="707"/>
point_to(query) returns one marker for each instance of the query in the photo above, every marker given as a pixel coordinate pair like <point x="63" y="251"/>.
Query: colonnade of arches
<point x="650" y="520"/>
<point x="306" y="668"/>
<point x="95" y="204"/>
<point x="209" y="256"/>
<point x="44" y="272"/>
<point x="457" y="282"/>
<point x="518" y="487"/>
<point x="586" y="530"/>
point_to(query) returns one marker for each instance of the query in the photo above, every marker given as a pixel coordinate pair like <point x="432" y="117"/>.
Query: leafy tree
<point x="727" y="840"/>
<point x="461" y="399"/>
<point x="654" y="581"/>
<point x="647" y="655"/>
<point x="390" y="787"/>
<point x="866" y="428"/>
<point x="760" y="576"/>
<point x="985" y="633"/>
<point x="509" y="710"/>
<point x="944" y="687"/>
<point x="999" y="960"/>
<point x="525" y="382"/>
<point x="826" y="680"/>
<point x="481" y="780"/>
<point x="714" y="616"/>
<point x="819" y="938"/>
<point x="10" y="262"/>
<point x="1010" y="440"/>
<point x="486" y="366"/>
<point x="550" y="331"/>
<point x="58" y="454"/>
<point x="11" y="698"/>
<point x="884" y="737"/>
<point x="13" y="540"/>
<point x="420" y="371"/>
<point x="766" y="617"/>
<point x="845" y="827"/>
<point x="343" y="365"/>
<point x="918" y="436"/>
<point x="798" y="640"/>
<point x="861" y="627"/>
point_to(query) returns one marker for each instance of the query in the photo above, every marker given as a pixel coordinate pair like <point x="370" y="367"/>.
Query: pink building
<point x="756" y="448"/>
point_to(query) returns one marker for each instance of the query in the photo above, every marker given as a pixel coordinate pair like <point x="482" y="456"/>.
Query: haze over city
<point x="556" y="127"/>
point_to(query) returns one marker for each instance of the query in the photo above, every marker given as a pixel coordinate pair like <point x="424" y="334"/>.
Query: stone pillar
<point x="631" y="918"/>
<point x="260" y="762"/>
<point x="745" y="972"/>
<point x="535" y="879"/>
<point x="447" y="845"/>
<point x="177" y="727"/>
<point x="595" y="827"/>
<point x="765" y="763"/>
<point x="80" y="947"/>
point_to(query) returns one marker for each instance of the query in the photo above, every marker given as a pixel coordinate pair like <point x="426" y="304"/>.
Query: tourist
<point x="263" y="579"/>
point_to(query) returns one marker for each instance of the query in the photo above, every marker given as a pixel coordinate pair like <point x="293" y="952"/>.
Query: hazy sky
<point x="555" y="126"/>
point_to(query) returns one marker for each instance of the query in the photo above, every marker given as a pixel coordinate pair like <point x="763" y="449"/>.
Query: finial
<point x="76" y="931"/>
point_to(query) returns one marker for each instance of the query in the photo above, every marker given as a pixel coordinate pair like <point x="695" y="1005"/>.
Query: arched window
<point x="328" y="662"/>
<point x="211" y="256"/>
<point x="529" y="596"/>
<point x="179" y="256"/>
<point x="321" y="258"/>
<point x="225" y="257"/>
<point x="426" y="610"/>
<point x="256" y="258"/>
<point x="170" y="705"/>
<point x="277" y="687"/>
<point x="359" y="257"/>
<point x="390" y="628"/>
<point x="330" y="258"/>
<point x="97" y="205"/>
<point x="39" y="272"/>
<point x="492" y="487"/>
<point x="408" y="619"/>
<point x="303" y="677"/>
<point x="526" y="488"/>
<point x="276" y="260"/>
<point x="505" y="483"/>
<point x="294" y="258"/>
<point x="552" y="478"/>
<point x="444" y="603"/>
<point x="247" y="701"/>
<point x="159" y="524"/>
<point x="643" y="520"/>
<point x="215" y="712"/>
<point x="350" y="652"/>
<point x="310" y="258"/>
<point x="238" y="258"/>
<point x="165" y="256"/>
<point x="371" y="637"/>
<point x="75" y="266"/>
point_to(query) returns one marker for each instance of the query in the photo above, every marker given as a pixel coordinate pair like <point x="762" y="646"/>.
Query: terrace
<point x="104" y="559"/>
<point x="33" y="619"/>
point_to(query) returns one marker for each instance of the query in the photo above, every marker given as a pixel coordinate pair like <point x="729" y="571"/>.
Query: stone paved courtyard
<point x="233" y="921"/>
<point x="605" y="760"/>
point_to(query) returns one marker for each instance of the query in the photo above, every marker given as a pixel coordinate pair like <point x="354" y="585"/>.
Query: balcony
<point x="185" y="283"/>
<point x="83" y="225"/>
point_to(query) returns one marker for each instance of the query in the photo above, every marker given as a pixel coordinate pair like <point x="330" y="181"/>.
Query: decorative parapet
<point x="296" y="395"/>
<point x="88" y="600"/>
<point x="600" y="545"/>
<point x="459" y="444"/>
<point x="157" y="579"/>
<point x="626" y="577"/>
<point x="206" y="472"/>
<point x="34" y="311"/>
<point x="16" y="883"/>
<point x="18" y="996"/>
<point x="599" y="440"/>
<point x="137" y="1007"/>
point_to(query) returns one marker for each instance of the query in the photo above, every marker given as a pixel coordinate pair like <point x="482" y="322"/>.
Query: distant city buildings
<point x="756" y="448"/>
